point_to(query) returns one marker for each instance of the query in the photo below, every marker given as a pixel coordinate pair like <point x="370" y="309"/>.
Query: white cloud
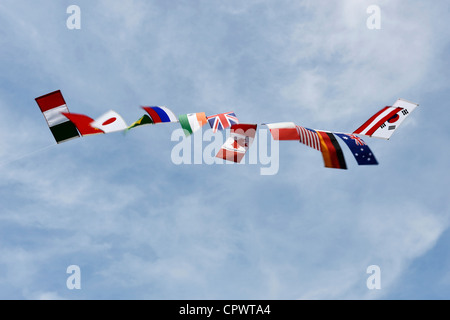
<point x="345" y="68"/>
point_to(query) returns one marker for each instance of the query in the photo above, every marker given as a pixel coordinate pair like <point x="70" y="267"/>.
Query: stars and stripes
<point x="309" y="137"/>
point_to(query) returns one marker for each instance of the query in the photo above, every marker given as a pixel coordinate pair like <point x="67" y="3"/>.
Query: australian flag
<point x="359" y="148"/>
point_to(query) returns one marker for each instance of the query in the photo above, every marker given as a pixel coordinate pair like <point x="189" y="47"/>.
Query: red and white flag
<point x="83" y="123"/>
<point x="283" y="131"/>
<point x="111" y="121"/>
<point x="240" y="140"/>
<point x="384" y="123"/>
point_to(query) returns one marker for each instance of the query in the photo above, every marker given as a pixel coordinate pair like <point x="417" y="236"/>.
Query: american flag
<point x="309" y="137"/>
<point x="222" y="121"/>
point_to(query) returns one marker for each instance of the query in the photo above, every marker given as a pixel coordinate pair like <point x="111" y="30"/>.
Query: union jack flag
<point x="222" y="121"/>
<point x="358" y="140"/>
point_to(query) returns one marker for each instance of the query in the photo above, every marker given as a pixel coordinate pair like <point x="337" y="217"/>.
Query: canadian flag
<point x="240" y="140"/>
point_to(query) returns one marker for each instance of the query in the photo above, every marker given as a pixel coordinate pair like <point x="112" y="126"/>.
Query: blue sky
<point x="141" y="227"/>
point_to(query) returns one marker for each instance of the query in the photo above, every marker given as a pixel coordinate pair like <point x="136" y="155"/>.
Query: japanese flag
<point x="111" y="121"/>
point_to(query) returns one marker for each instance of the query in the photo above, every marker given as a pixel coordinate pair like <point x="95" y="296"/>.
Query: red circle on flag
<point x="393" y="118"/>
<point x="109" y="121"/>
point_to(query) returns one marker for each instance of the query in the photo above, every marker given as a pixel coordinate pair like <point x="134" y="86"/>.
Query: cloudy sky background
<point x="141" y="227"/>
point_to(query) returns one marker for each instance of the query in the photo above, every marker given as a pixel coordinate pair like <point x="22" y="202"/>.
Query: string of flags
<point x="65" y="125"/>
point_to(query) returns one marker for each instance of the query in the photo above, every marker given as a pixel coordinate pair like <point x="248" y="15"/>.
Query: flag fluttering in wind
<point x="240" y="140"/>
<point x="359" y="149"/>
<point x="52" y="106"/>
<point x="192" y="122"/>
<point x="384" y="123"/>
<point x="332" y="154"/>
<point x="160" y="114"/>
<point x="222" y="121"/>
<point x="309" y="137"/>
<point x="145" y="119"/>
<point x="83" y="123"/>
<point x="65" y="125"/>
<point x="323" y="141"/>
<point x="111" y="121"/>
<point x="283" y="131"/>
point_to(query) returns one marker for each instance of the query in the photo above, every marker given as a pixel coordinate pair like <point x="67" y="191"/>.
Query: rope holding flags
<point x="65" y="126"/>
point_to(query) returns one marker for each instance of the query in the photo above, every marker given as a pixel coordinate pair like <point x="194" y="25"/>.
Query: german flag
<point x="333" y="157"/>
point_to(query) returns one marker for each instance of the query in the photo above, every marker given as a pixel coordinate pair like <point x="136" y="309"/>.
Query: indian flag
<point x="191" y="122"/>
